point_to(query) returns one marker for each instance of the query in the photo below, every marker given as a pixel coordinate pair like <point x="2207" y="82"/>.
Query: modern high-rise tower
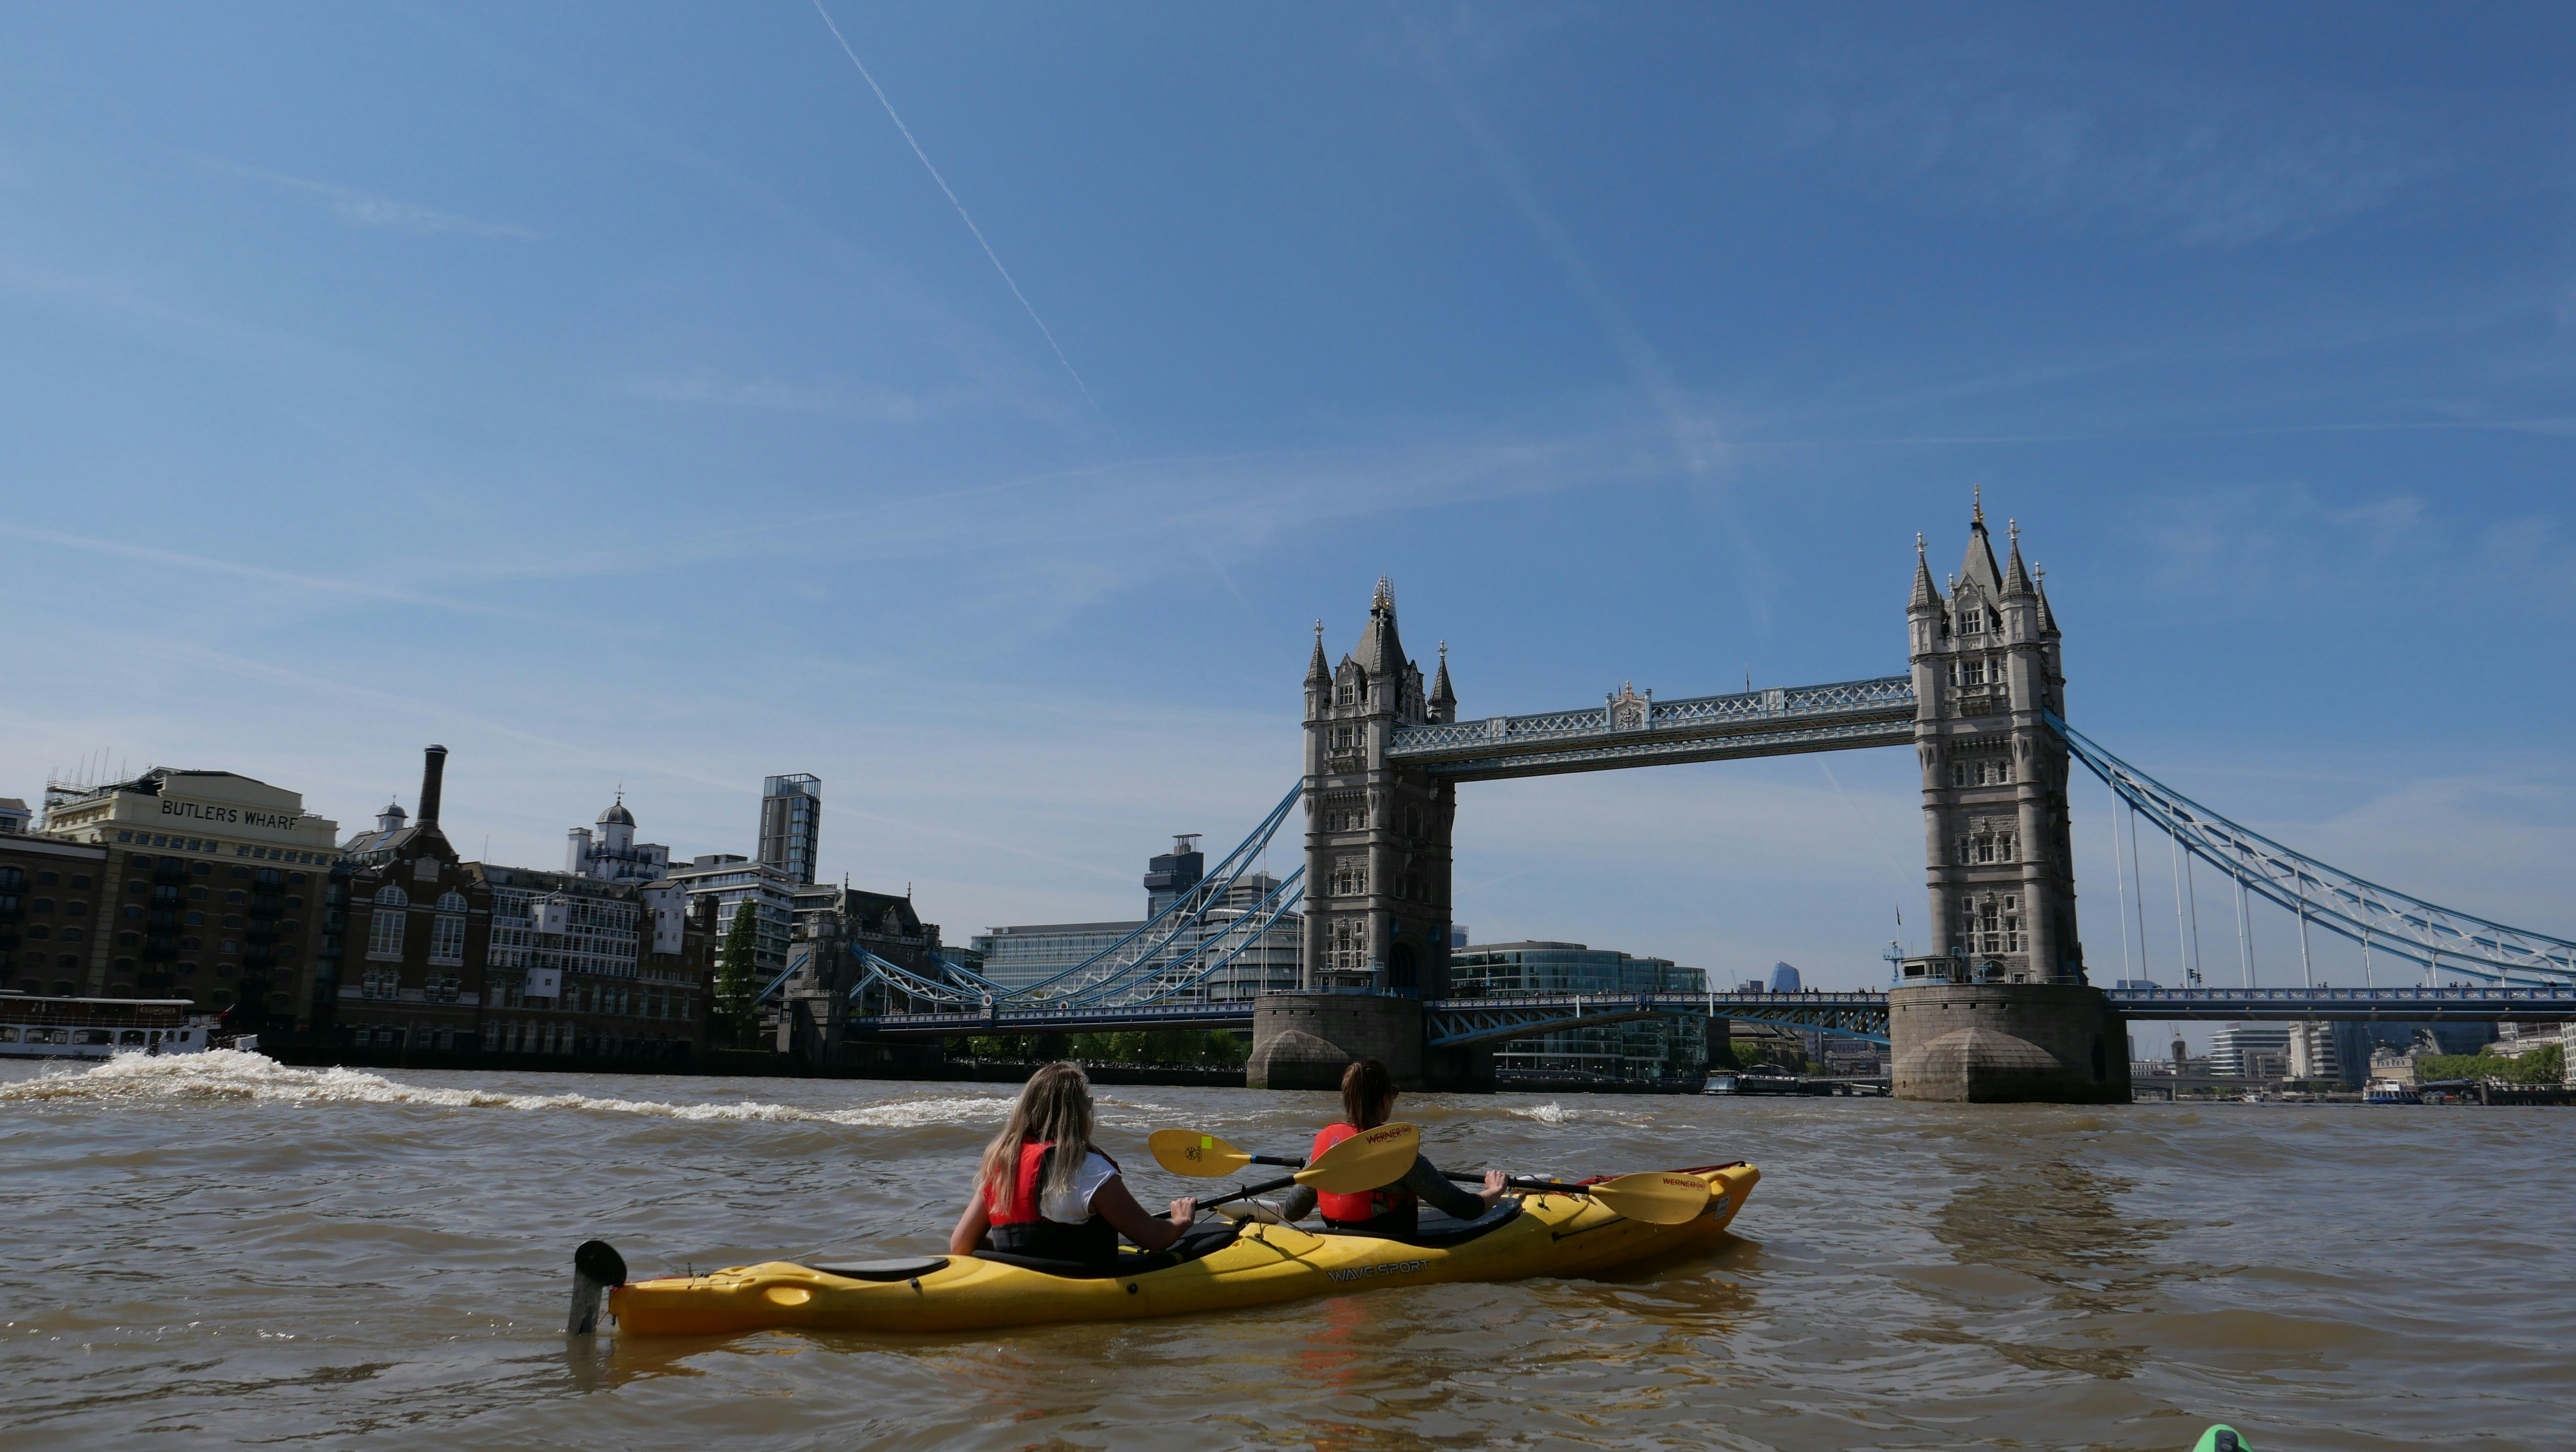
<point x="791" y="824"/>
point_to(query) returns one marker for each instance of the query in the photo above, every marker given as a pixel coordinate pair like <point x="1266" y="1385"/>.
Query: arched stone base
<point x="1305" y="1040"/>
<point x="2005" y="1043"/>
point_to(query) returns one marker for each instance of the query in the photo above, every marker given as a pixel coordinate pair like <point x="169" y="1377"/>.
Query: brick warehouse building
<point x="433" y="956"/>
<point x="203" y="885"/>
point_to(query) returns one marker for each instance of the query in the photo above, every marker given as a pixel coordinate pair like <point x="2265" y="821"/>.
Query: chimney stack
<point x="433" y="767"/>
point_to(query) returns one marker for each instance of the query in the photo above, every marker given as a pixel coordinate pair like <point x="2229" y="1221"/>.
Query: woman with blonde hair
<point x="1043" y="1191"/>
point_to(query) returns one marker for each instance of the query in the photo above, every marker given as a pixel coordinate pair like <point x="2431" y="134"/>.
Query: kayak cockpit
<point x="1438" y="1230"/>
<point x="1193" y="1245"/>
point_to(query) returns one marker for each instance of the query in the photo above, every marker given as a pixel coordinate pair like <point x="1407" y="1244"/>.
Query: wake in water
<point x="226" y="1076"/>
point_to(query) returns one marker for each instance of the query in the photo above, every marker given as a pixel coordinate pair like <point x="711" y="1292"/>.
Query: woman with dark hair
<point x="1393" y="1210"/>
<point x="1043" y="1191"/>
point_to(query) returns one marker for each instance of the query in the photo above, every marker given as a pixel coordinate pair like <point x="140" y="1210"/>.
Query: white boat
<point x="100" y="1028"/>
<point x="2389" y="1091"/>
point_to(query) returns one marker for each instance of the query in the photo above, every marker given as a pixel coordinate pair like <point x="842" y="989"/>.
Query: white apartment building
<point x="612" y="854"/>
<point x="2230" y="1047"/>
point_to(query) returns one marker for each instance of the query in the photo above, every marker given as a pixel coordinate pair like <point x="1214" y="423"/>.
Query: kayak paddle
<point x="1366" y="1160"/>
<point x="1655" y="1197"/>
<point x="1204" y="1156"/>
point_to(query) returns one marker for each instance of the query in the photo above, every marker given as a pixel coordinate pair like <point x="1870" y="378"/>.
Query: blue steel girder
<point x="2381" y="919"/>
<point x="2473" y="1002"/>
<point x="1234" y="1013"/>
<point x="1459" y="1022"/>
<point x="1778" y="722"/>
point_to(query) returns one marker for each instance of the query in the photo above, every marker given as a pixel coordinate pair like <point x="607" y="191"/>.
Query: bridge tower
<point x="1377" y="837"/>
<point x="2000" y="1009"/>
<point x="1377" y="875"/>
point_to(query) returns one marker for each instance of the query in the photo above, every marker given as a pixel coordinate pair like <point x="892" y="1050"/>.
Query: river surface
<point x="219" y="1251"/>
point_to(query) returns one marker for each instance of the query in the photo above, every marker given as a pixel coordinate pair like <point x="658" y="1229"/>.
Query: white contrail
<point x="962" y="216"/>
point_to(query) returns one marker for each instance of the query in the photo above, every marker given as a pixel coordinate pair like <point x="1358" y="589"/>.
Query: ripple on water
<point x="214" y="1249"/>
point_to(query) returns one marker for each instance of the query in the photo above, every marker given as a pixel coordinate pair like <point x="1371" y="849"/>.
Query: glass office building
<point x="1656" y="1050"/>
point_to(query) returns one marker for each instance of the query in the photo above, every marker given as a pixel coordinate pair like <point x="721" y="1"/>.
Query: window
<point x="392" y="896"/>
<point x="451" y="902"/>
<point x="2012" y="924"/>
<point x="1342" y="738"/>
<point x="1958" y="773"/>
<point x="46" y="879"/>
<point x="79" y="881"/>
<point x="385" y="934"/>
<point x="1350" y="876"/>
<point x="447" y="938"/>
<point x="1342" y="697"/>
<point x="1346" y="943"/>
<point x="236" y="895"/>
<point x="196" y="920"/>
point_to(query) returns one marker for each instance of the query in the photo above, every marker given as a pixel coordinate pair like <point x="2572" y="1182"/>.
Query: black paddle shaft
<point x="1248" y="1191"/>
<point x="1548" y="1187"/>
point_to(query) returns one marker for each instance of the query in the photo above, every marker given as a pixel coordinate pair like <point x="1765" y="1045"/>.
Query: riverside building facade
<point x="440" y="956"/>
<point x="1665" y="1049"/>
<point x="206" y="886"/>
<point x="722" y="883"/>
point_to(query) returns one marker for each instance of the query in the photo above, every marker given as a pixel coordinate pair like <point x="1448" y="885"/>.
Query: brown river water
<point x="220" y="1251"/>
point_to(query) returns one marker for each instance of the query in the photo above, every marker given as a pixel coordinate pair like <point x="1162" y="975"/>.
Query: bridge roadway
<point x="1467" y="1022"/>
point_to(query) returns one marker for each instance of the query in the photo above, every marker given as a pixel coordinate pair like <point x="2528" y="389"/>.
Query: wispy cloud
<point x="371" y="209"/>
<point x="2049" y="138"/>
<point x="945" y="190"/>
<point x="830" y="397"/>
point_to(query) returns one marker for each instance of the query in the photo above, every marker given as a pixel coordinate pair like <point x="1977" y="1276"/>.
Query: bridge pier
<point x="1306" y="1040"/>
<point x="2005" y="1043"/>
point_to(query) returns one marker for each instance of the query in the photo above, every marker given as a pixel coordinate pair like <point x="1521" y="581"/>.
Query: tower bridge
<point x="2002" y="1009"/>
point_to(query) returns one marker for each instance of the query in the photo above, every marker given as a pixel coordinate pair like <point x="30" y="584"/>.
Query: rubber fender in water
<point x="2222" y="1438"/>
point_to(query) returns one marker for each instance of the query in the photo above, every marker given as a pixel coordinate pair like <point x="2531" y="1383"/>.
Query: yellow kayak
<point x="1537" y="1235"/>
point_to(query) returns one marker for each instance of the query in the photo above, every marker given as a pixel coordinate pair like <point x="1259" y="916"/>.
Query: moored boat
<point x="97" y="1028"/>
<point x="1539" y="1234"/>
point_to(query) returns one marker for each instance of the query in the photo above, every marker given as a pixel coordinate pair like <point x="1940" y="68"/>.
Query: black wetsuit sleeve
<point x="1430" y="1187"/>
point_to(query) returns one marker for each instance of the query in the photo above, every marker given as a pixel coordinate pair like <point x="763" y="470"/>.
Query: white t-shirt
<point x="1072" y="1207"/>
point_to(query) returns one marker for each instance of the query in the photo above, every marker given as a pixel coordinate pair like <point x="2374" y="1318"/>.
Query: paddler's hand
<point x="1493" y="1189"/>
<point x="1184" y="1210"/>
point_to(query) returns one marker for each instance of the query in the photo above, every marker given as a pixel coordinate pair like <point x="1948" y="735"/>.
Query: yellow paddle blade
<point x="1366" y="1160"/>
<point x="1200" y="1156"/>
<point x="1657" y="1197"/>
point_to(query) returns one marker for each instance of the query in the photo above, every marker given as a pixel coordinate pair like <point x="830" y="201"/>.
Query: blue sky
<point x="611" y="394"/>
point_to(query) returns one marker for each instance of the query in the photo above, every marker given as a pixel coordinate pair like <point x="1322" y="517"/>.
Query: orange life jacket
<point x="1387" y="1210"/>
<point x="1019" y="1228"/>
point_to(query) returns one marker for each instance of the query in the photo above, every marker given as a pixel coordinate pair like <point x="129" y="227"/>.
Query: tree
<point x="733" y="975"/>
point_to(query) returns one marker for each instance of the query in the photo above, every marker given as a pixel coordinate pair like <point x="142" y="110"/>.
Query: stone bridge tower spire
<point x="1377" y="836"/>
<point x="1999" y="1007"/>
<point x="1987" y="665"/>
